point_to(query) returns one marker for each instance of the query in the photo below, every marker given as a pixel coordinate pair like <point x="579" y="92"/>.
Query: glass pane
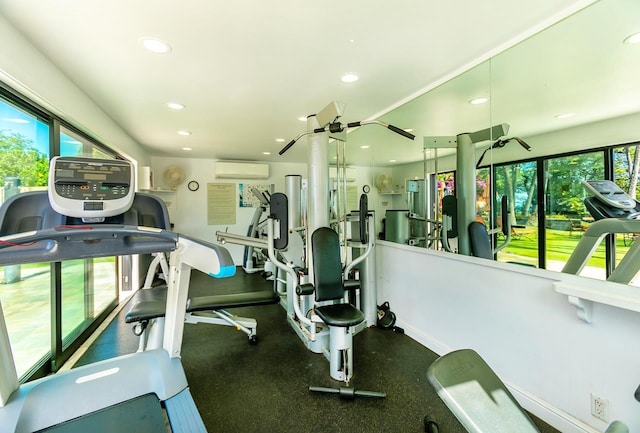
<point x="26" y="302"/>
<point x="566" y="217"/>
<point x="72" y="144"/>
<point x="626" y="161"/>
<point x="519" y="183"/>
<point x="25" y="289"/>
<point x="483" y="195"/>
<point x="88" y="287"/>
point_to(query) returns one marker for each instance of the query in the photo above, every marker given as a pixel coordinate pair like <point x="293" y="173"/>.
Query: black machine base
<point x="347" y="393"/>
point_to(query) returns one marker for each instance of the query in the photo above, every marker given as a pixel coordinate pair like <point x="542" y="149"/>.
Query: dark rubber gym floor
<point x="240" y="387"/>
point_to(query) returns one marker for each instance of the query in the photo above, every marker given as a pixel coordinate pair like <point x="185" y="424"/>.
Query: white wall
<point x="29" y="72"/>
<point x="189" y="209"/>
<point x="529" y="334"/>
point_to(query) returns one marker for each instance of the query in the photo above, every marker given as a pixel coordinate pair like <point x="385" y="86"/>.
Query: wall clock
<point x="193" y="185"/>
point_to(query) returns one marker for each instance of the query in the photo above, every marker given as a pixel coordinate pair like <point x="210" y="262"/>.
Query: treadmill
<point x="614" y="212"/>
<point x="91" y="210"/>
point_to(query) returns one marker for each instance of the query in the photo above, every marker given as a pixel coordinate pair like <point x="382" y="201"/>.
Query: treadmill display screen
<point x="80" y="179"/>
<point x="91" y="189"/>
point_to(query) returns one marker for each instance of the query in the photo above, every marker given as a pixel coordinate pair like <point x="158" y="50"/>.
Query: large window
<point x="518" y="183"/>
<point x="49" y="307"/>
<point x="546" y="210"/>
<point x="25" y="289"/>
<point x="89" y="286"/>
<point x="566" y="217"/>
<point x="626" y="170"/>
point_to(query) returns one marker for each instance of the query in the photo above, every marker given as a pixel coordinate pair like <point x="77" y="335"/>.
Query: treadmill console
<point x="609" y="193"/>
<point x="89" y="188"/>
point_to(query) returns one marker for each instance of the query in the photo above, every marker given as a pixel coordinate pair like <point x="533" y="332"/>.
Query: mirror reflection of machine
<point x="614" y="212"/>
<point x="466" y="165"/>
<point x="253" y="259"/>
<point x="417" y="199"/>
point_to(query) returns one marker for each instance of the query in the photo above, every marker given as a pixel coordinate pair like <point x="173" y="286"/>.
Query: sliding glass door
<point x="88" y="286"/>
<point x="50" y="308"/>
<point x="519" y="183"/>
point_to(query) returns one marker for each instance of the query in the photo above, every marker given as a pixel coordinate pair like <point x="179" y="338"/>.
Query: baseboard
<point x="550" y="414"/>
<point x="426" y="340"/>
<point x="540" y="408"/>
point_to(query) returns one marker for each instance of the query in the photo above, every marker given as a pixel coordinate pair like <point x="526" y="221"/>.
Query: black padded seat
<point x="329" y="285"/>
<point x="341" y="315"/>
<point x="145" y="310"/>
<point x="234" y="300"/>
<point x="151" y="303"/>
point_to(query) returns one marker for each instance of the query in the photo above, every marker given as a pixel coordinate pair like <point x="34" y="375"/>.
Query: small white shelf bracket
<point x="584" y="308"/>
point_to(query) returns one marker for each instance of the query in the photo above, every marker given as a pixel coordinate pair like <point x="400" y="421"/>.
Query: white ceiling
<point x="247" y="69"/>
<point x="580" y="65"/>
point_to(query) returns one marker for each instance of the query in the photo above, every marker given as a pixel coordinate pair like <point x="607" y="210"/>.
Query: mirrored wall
<point x="572" y="87"/>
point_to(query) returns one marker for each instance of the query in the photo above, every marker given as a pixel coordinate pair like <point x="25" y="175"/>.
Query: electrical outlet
<point x="600" y="407"/>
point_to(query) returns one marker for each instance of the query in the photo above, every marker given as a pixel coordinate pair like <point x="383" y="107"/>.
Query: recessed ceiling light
<point x="392" y="160"/>
<point x="632" y="39"/>
<point x="280" y="140"/>
<point x="565" y="115"/>
<point x="156" y="45"/>
<point x="266" y="153"/>
<point x="302" y="118"/>
<point x="364" y="147"/>
<point x="175" y="106"/>
<point x="478" y="101"/>
<point x="350" y="77"/>
<point x="185" y="133"/>
<point x="187" y="148"/>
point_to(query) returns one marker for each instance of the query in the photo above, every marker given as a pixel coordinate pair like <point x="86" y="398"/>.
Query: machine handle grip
<point x="402" y="132"/>
<point x="305" y="289"/>
<point x="386" y="125"/>
<point x="287" y="147"/>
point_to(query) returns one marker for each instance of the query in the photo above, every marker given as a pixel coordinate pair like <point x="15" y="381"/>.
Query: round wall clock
<point x="193" y="185"/>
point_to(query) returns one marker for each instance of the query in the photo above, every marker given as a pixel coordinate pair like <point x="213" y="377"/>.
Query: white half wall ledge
<point x="584" y="295"/>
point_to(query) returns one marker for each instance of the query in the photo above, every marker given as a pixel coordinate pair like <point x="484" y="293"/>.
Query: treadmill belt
<point x="140" y="415"/>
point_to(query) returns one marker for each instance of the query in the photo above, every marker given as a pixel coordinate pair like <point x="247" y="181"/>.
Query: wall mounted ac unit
<point x="241" y="170"/>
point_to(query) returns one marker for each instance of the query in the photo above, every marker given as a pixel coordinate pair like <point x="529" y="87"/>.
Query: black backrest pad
<point x="364" y="211"/>
<point x="505" y="215"/>
<point x="279" y="211"/>
<point x="327" y="266"/>
<point x="479" y="240"/>
<point x="450" y="208"/>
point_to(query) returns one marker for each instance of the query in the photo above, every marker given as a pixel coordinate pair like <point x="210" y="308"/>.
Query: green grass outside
<point x="560" y="245"/>
<point x="26" y="305"/>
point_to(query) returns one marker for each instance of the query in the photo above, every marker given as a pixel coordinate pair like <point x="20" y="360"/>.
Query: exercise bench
<point x="150" y="303"/>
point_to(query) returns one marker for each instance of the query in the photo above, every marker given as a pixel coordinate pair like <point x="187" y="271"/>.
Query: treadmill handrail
<point x="85" y="241"/>
<point x="590" y="240"/>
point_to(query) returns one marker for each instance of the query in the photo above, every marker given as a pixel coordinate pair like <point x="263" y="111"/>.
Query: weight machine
<point x="466" y="165"/>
